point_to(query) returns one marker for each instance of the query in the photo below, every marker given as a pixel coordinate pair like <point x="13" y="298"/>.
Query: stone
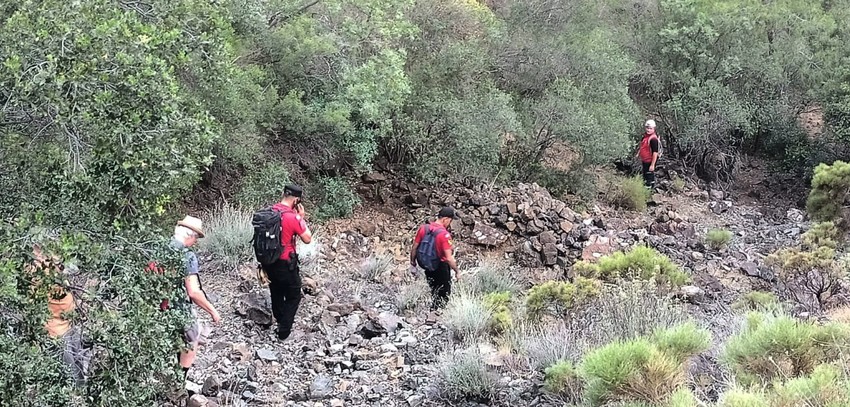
<point x="197" y="400"/>
<point x="511" y="226"/>
<point x="371" y="330"/>
<point x="751" y="269"/>
<point x="374" y="177"/>
<point x="389" y="321"/>
<point x="795" y="215"/>
<point x="355" y="340"/>
<point x="697" y="256"/>
<point x="321" y="387"/>
<point x="415" y="400"/>
<point x="597" y="247"/>
<point x="550" y="254"/>
<point x="692" y="294"/>
<point x="548" y="237"/>
<point x="343" y="309"/>
<point x="212" y="385"/>
<point x="512" y="209"/>
<point x="266" y="354"/>
<point x="257" y="307"/>
<point x="485" y="235"/>
<point x="716" y="194"/>
<point x="566" y="226"/>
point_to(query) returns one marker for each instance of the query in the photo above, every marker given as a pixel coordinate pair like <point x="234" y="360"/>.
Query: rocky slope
<point x="353" y="346"/>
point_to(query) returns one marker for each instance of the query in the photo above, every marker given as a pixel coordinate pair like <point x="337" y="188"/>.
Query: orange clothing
<point x="57" y="326"/>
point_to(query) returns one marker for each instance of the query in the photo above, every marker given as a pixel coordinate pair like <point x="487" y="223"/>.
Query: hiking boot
<point x="283" y="334"/>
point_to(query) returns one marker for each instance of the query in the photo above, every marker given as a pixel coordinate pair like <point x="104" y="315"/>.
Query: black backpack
<point x="426" y="252"/>
<point x="266" y="240"/>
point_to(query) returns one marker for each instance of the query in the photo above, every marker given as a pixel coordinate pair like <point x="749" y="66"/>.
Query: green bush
<point x="780" y="347"/>
<point x="822" y="234"/>
<point x="336" y="199"/>
<point x="682" y="397"/>
<point x="228" y="235"/>
<point x="559" y="296"/>
<point x="467" y="316"/>
<point x="829" y="191"/>
<point x="826" y="386"/>
<point x="464" y="375"/>
<point x="718" y="238"/>
<point x="499" y="303"/>
<point x="646" y="370"/>
<point x="742" y="398"/>
<point x="640" y="262"/>
<point x="263" y="186"/>
<point x="492" y="276"/>
<point x="413" y="296"/>
<point x="809" y="275"/>
<point x="562" y="380"/>
<point x="760" y="301"/>
<point x="629" y="193"/>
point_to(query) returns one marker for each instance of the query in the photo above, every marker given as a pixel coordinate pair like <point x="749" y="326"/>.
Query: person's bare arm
<point x="654" y="158"/>
<point x="193" y="289"/>
<point x="413" y="253"/>
<point x="450" y="258"/>
<point x="306" y="236"/>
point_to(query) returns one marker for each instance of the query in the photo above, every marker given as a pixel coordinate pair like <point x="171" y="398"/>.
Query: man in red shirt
<point x="648" y="151"/>
<point x="439" y="275"/>
<point x="284" y="275"/>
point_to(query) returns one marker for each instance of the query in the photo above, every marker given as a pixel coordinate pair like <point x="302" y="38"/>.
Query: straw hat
<point x="193" y="223"/>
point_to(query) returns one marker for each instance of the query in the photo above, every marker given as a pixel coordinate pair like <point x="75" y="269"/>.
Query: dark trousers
<point x="648" y="176"/>
<point x="285" y="290"/>
<point x="440" y="281"/>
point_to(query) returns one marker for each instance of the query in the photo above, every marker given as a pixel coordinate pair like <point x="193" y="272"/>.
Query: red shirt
<point x="648" y="145"/>
<point x="291" y="225"/>
<point x="443" y="239"/>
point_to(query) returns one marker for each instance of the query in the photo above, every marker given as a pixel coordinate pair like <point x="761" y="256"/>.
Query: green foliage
<point x="642" y="369"/>
<point x="826" y="386"/>
<point x="640" y="262"/>
<point x="563" y="380"/>
<point x="499" y="303"/>
<point x="105" y="273"/>
<point x="337" y="199"/>
<point x="779" y="347"/>
<point x="760" y="301"/>
<point x="559" y="296"/>
<point x="463" y="374"/>
<point x="742" y="398"/>
<point x="829" y="191"/>
<point x="718" y="238"/>
<point x="492" y="276"/>
<point x="413" y="296"/>
<point x="263" y="186"/>
<point x="629" y="193"/>
<point x="822" y="234"/>
<point x="227" y="231"/>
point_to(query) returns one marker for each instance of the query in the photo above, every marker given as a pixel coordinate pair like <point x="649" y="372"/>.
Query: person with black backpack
<point x="275" y="229"/>
<point x="432" y="250"/>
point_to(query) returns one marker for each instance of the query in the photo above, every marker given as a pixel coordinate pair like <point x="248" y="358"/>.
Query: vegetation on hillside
<point x="114" y="114"/>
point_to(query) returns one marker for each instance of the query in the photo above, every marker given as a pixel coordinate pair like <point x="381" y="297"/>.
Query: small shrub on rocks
<point x="629" y="193"/>
<point x="718" y="239"/>
<point x="467" y="315"/>
<point x="562" y="380"/>
<point x="492" y="276"/>
<point x="780" y="347"/>
<point x="760" y="301"/>
<point x="413" y="296"/>
<point x="826" y="386"/>
<point x="641" y="262"/>
<point x="499" y="304"/>
<point x="809" y="275"/>
<point x="545" y="346"/>
<point x="228" y="235"/>
<point x="559" y="296"/>
<point x="464" y="375"/>
<point x="375" y="266"/>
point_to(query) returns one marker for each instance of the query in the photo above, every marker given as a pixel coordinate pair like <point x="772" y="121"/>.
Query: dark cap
<point x="446" y="212"/>
<point x="293" y="190"/>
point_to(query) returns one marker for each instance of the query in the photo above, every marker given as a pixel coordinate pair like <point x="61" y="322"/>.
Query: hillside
<point x="355" y="346"/>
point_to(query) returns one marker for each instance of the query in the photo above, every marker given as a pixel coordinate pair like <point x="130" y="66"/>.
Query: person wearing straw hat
<point x="186" y="234"/>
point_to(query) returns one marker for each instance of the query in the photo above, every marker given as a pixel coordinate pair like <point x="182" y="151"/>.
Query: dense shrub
<point x="376" y="266"/>
<point x="499" y="303"/>
<point x="779" y="347"/>
<point x="263" y="186"/>
<point x="760" y="301"/>
<point x="642" y="369"/>
<point x="467" y="316"/>
<point x="336" y="199"/>
<point x="562" y="380"/>
<point x="629" y="193"/>
<point x="640" y="262"/>
<point x="413" y="296"/>
<point x="228" y="235"/>
<point x="557" y="297"/>
<point x="742" y="398"/>
<point x="826" y="386"/>
<point x="829" y="191"/>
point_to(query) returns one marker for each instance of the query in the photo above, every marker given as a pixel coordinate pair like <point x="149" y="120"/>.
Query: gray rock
<point x="266" y="354"/>
<point x="716" y="194"/>
<point x="211" y="386"/>
<point x="257" y="307"/>
<point x="415" y="400"/>
<point x="321" y="387"/>
<point x="197" y="400"/>
<point x="750" y="268"/>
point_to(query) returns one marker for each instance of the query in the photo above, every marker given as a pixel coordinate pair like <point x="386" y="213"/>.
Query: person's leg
<point x="292" y="299"/>
<point x="434" y="286"/>
<point x="644" y="170"/>
<point x="72" y="355"/>
<point x="277" y="280"/>
<point x="443" y="283"/>
<point x="191" y="336"/>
